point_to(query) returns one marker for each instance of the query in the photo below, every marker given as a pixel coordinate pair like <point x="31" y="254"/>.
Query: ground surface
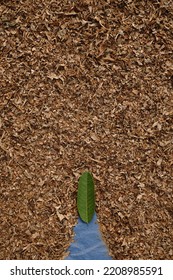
<point x="86" y="85"/>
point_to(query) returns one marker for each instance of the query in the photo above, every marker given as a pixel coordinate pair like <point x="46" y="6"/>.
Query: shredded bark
<point x="86" y="85"/>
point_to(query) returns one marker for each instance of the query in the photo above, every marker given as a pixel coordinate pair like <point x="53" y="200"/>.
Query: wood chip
<point x="86" y="85"/>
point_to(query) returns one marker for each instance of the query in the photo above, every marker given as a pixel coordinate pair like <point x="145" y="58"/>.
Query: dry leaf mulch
<point x="86" y="85"/>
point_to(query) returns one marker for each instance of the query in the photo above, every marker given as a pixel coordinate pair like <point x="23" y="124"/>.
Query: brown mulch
<point x="86" y="85"/>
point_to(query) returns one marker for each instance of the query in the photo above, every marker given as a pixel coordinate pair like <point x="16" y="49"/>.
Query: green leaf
<point x="86" y="197"/>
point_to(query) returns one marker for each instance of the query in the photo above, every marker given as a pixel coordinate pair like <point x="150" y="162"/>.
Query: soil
<point x="86" y="85"/>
